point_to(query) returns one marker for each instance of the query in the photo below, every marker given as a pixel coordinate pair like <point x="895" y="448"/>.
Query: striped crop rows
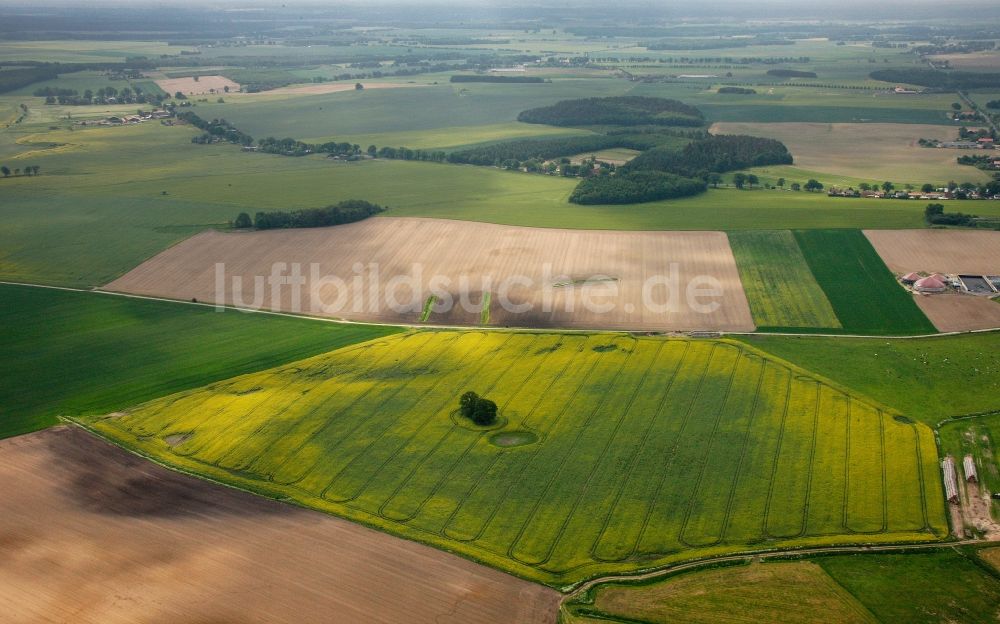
<point x="647" y="448"/>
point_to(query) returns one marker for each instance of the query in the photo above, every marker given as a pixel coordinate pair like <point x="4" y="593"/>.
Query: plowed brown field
<point x="947" y="251"/>
<point x="536" y="277"/>
<point x="92" y="534"/>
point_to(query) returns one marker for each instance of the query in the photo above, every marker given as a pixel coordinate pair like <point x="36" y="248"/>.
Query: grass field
<point x="82" y="51"/>
<point x="85" y="353"/>
<point x="641" y="451"/>
<point x="864" y="294"/>
<point x="921" y="377"/>
<point x="929" y="587"/>
<point x="779" y="285"/>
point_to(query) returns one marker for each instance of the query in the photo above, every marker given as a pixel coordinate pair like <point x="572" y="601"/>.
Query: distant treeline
<point x="737" y="90"/>
<point x="542" y="149"/>
<point x="615" y="111"/>
<point x="714" y="154"/>
<point x="495" y="78"/>
<point x="994" y="104"/>
<point x="936" y="79"/>
<point x="791" y="73"/>
<point x="634" y="187"/>
<point x="347" y="211"/>
<point x="714" y="44"/>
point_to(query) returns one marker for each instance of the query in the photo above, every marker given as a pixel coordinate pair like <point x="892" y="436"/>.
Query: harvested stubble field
<point x="780" y="287"/>
<point x="124" y="540"/>
<point x="875" y="152"/>
<point x="648" y="451"/>
<point x="487" y="255"/>
<point x="945" y="251"/>
<point x="197" y="86"/>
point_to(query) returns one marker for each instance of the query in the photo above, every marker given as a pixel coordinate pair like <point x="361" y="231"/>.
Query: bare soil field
<point x="90" y="533"/>
<point x="870" y="151"/>
<point x="336" y="87"/>
<point x="956" y="312"/>
<point x="201" y="86"/>
<point x="386" y="269"/>
<point x="974" y="60"/>
<point x="945" y="251"/>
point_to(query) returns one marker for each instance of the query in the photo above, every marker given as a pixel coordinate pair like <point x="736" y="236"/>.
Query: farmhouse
<point x="950" y="483"/>
<point x="930" y="284"/>
<point x="969" y="466"/>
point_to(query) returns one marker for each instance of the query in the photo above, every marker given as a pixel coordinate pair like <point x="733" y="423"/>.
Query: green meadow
<point x="921" y="377"/>
<point x="72" y="353"/>
<point x="627" y="452"/>
<point x="925" y="587"/>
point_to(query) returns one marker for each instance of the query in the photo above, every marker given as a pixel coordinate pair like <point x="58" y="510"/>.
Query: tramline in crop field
<point x="635" y="451"/>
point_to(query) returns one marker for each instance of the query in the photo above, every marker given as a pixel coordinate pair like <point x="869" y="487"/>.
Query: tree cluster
<point x="994" y="104"/>
<point x="714" y="153"/>
<point x="737" y="90"/>
<point x="541" y="149"/>
<point x="28" y="170"/>
<point x="951" y="81"/>
<point x="935" y="215"/>
<point x="617" y="111"/>
<point x="791" y="73"/>
<point x="215" y="130"/>
<point x="495" y="78"/>
<point x="715" y="44"/>
<point x="347" y="211"/>
<point x="634" y="187"/>
<point x="479" y="410"/>
<point x="104" y="95"/>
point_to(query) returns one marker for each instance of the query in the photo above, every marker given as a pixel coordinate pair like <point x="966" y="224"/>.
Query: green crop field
<point x="928" y="587"/>
<point x="864" y="294"/>
<point x="779" y="285"/>
<point x="634" y="452"/>
<point x="918" y="376"/>
<point x="71" y="353"/>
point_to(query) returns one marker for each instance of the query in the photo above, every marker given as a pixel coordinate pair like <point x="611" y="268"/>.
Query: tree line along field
<point x="617" y="453"/>
<point x="919" y="587"/>
<point x="77" y="353"/>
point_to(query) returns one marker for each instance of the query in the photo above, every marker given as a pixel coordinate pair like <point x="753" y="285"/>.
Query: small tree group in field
<point x="481" y="411"/>
<point x="30" y="170"/>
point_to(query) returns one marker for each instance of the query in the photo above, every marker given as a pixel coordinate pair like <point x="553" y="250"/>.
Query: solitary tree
<point x="927" y="188"/>
<point x="752" y="179"/>
<point x="714" y="179"/>
<point x="5" y="170"/>
<point x="739" y="180"/>
<point x="956" y="106"/>
<point x="358" y="86"/>
<point x="888" y="186"/>
<point x="814" y="185"/>
<point x="796" y="186"/>
<point x="781" y="183"/>
<point x="864" y="186"/>
<point x="242" y="221"/>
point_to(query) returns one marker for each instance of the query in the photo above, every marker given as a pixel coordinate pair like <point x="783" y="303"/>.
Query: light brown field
<point x="204" y="84"/>
<point x="988" y="60"/>
<point x="945" y="251"/>
<point x="955" y="312"/>
<point x="618" y="156"/>
<point x="992" y="555"/>
<point x="92" y="534"/>
<point x="559" y="269"/>
<point x="336" y="87"/>
<point x="869" y="151"/>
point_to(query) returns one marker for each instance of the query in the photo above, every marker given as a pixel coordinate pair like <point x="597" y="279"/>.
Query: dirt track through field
<point x="635" y="280"/>
<point x="90" y="533"/>
<point x="945" y="251"/>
